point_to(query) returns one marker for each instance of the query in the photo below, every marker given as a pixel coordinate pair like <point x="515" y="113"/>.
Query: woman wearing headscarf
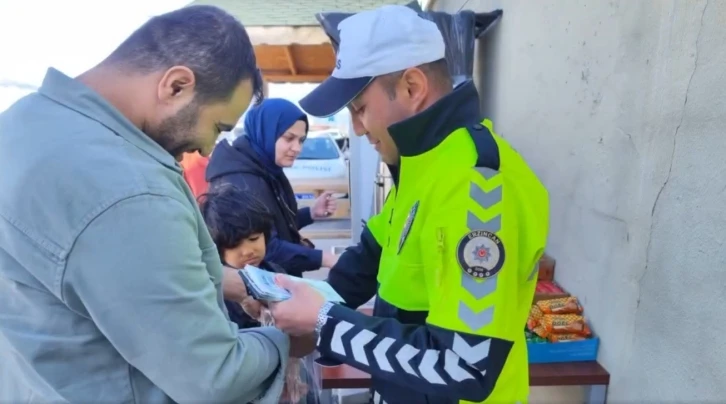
<point x="274" y="133"/>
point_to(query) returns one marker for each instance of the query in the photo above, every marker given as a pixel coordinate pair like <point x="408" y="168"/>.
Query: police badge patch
<point x="480" y="254"/>
<point x="407" y="226"/>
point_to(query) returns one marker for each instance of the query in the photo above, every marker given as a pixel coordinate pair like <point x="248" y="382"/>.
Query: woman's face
<point x="288" y="146"/>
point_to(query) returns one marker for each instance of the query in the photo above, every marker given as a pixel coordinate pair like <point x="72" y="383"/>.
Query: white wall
<point x="620" y="106"/>
<point x="364" y="161"/>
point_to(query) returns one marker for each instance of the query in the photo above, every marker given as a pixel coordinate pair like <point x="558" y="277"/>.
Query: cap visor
<point x="332" y="95"/>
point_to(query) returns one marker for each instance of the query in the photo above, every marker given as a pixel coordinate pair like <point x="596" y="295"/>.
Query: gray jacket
<point x="110" y="285"/>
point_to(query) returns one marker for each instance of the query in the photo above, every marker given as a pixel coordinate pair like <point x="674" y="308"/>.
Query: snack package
<point x="534" y="338"/>
<point x="303" y="378"/>
<point x="563" y="305"/>
<point x="535" y="316"/>
<point x="564" y="324"/>
<point x="565" y="337"/>
<point x="540" y="331"/>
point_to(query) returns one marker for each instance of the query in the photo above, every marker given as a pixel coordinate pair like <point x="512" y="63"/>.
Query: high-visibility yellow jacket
<point x="453" y="257"/>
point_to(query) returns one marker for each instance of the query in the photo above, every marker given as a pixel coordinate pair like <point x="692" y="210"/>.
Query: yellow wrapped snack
<point x="565" y="324"/>
<point x="564" y="305"/>
<point x="565" y="337"/>
<point x="535" y="315"/>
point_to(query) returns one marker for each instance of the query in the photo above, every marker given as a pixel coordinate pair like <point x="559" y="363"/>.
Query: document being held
<point x="261" y="286"/>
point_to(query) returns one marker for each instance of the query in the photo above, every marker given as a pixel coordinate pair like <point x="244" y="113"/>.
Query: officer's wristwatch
<point x="322" y="317"/>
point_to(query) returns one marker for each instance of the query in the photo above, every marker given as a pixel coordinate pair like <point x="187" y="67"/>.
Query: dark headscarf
<point x="265" y="123"/>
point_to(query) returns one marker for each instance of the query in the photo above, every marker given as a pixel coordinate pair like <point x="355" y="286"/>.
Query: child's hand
<point x="252" y="307"/>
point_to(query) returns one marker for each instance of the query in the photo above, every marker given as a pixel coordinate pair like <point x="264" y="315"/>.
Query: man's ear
<point x="176" y="84"/>
<point x="417" y="86"/>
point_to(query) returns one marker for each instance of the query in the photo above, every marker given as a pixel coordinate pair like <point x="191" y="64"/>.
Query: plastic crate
<point x="570" y="351"/>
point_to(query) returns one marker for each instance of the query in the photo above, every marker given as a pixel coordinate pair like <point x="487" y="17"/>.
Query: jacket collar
<point x="75" y="95"/>
<point x="427" y="129"/>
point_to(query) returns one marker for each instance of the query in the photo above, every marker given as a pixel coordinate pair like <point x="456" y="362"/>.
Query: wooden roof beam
<point x="290" y="60"/>
<point x="287" y="35"/>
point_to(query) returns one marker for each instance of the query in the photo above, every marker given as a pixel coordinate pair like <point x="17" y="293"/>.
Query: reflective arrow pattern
<point x="481" y="288"/>
<point x="455" y="364"/>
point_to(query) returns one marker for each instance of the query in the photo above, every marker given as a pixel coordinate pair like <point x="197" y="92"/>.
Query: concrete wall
<point x="620" y="106"/>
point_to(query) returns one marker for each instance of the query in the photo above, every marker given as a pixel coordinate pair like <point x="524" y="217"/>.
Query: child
<point x="239" y="224"/>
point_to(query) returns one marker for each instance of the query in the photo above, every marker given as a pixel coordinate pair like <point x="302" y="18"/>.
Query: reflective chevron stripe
<point x="451" y="366"/>
<point x="475" y="320"/>
<point x="427" y="367"/>
<point x="336" y="342"/>
<point x="481" y="288"/>
<point x="404" y="356"/>
<point x="358" y="345"/>
<point x="380" y="354"/>
<point x="492" y="225"/>
<point x="472" y="354"/>
<point x="486" y="172"/>
<point x="486" y="200"/>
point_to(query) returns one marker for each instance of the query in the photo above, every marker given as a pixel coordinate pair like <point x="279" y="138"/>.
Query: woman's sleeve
<point x="295" y="258"/>
<point x="304" y="217"/>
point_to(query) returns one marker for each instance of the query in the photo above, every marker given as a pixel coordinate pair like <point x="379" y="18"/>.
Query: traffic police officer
<point x="453" y="254"/>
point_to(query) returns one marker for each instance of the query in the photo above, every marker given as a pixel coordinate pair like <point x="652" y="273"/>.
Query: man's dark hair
<point x="233" y="215"/>
<point x="206" y="39"/>
<point x="437" y="72"/>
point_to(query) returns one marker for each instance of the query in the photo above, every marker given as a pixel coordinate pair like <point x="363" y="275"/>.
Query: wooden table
<point x="589" y="374"/>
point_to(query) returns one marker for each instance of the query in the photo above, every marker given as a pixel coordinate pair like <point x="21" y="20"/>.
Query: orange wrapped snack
<point x="565" y="337"/>
<point x="565" y="324"/>
<point x="563" y="305"/>
<point x="535" y="315"/>
<point x="540" y="331"/>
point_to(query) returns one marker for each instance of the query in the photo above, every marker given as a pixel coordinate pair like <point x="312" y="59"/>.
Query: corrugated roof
<point x="285" y="12"/>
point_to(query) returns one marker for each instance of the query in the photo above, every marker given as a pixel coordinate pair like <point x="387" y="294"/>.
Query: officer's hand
<point x="298" y="314"/>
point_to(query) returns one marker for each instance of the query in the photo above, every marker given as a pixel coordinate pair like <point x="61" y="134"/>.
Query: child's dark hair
<point x="232" y="215"/>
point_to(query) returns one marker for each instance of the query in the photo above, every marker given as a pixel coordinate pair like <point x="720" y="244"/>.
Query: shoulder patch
<point x="480" y="254"/>
<point x="487" y="149"/>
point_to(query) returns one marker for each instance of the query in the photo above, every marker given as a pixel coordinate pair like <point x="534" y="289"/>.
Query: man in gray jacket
<point x="110" y="285"/>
